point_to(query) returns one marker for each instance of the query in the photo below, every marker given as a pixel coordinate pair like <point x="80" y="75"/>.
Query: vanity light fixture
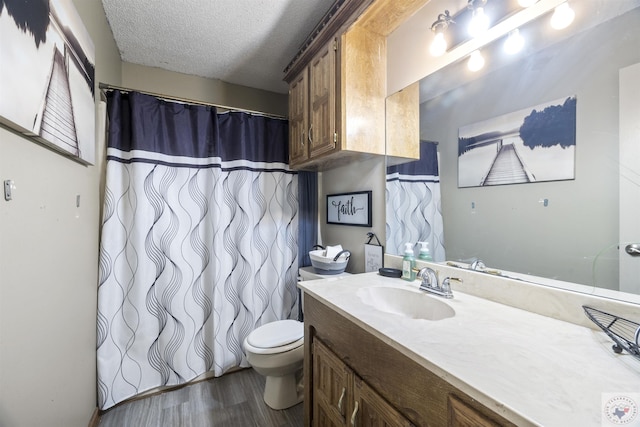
<point x="439" y="44"/>
<point x="514" y="42"/>
<point x="476" y="61"/>
<point x="479" y="21"/>
<point x="527" y="3"/>
<point x="562" y="16"/>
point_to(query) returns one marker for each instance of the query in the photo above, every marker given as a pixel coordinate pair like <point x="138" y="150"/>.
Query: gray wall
<point x="201" y="89"/>
<point x="48" y="269"/>
<point x="358" y="176"/>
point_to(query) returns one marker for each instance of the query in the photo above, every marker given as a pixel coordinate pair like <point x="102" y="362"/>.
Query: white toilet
<point x="276" y="351"/>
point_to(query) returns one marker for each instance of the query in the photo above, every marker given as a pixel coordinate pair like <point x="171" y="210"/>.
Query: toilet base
<point x="283" y="392"/>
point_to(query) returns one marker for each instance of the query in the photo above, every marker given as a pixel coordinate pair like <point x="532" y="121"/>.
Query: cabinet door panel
<point x="322" y="100"/>
<point x="462" y="415"/>
<point x="374" y="411"/>
<point x="298" y="119"/>
<point x="332" y="391"/>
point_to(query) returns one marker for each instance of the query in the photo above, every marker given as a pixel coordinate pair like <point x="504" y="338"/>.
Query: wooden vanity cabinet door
<point x="299" y="118"/>
<point x="462" y="415"/>
<point x="341" y="398"/>
<point x="373" y="410"/>
<point x="332" y="388"/>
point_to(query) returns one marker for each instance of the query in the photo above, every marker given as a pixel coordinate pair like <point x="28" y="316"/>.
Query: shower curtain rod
<point x="107" y="87"/>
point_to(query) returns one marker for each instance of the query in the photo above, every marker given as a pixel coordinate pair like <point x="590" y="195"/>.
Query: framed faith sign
<point x="349" y="209"/>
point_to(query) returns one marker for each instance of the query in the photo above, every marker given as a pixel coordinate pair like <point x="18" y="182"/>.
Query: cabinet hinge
<point x="335" y="137"/>
<point x="335" y="45"/>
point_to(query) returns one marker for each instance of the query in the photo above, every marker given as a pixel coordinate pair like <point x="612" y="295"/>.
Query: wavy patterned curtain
<point x="414" y="210"/>
<point x="199" y="241"/>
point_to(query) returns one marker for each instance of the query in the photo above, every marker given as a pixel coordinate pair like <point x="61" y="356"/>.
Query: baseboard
<point x="95" y="418"/>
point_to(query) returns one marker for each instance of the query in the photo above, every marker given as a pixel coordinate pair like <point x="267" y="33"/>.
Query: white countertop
<point x="531" y="369"/>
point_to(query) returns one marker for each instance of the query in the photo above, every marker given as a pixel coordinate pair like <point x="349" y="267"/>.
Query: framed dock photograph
<point x="534" y="144"/>
<point x="47" y="77"/>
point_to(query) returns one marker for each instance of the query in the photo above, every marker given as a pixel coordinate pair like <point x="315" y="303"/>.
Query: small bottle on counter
<point x="408" y="263"/>
<point x="424" y="254"/>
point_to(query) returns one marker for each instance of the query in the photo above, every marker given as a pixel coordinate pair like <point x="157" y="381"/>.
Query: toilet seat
<point x="276" y="337"/>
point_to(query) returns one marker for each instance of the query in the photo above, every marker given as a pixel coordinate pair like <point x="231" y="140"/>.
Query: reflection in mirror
<point x="571" y="229"/>
<point x="413" y="208"/>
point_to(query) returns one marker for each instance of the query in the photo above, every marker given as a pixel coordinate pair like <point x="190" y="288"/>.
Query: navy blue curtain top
<point x="143" y="122"/>
<point x="427" y="165"/>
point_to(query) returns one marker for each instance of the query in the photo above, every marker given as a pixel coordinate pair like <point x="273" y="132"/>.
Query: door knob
<point x="633" y="249"/>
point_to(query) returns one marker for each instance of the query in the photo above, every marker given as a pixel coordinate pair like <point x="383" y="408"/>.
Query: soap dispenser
<point x="424" y="254"/>
<point x="408" y="263"/>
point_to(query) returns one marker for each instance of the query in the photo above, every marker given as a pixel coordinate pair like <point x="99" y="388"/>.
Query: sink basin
<point x="403" y="302"/>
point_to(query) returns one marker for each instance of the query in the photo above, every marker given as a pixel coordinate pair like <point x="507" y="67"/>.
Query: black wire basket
<point x="625" y="333"/>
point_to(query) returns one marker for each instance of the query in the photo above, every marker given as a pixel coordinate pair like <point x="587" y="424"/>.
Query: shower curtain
<point x="414" y="210"/>
<point x="199" y="241"/>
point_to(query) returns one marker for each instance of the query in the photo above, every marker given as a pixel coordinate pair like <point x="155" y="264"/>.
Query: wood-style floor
<point x="232" y="400"/>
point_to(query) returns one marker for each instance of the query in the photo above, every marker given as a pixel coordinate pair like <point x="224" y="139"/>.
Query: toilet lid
<point x="276" y="334"/>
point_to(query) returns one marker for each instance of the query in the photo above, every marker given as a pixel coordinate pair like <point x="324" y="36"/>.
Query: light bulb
<point x="438" y="45"/>
<point x="514" y="42"/>
<point x="476" y="61"/>
<point x="479" y="22"/>
<point x="562" y="17"/>
<point x="527" y="3"/>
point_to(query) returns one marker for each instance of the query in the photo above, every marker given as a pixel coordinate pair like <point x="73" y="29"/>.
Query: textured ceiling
<point x="246" y="42"/>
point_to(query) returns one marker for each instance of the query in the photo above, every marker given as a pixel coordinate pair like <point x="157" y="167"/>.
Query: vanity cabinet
<point x="462" y="415"/>
<point x="346" y="365"/>
<point x="341" y="398"/>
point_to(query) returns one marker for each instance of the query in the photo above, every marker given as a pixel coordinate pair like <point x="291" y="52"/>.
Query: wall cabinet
<point x="349" y="370"/>
<point x="337" y="90"/>
<point x="298" y="118"/>
<point x="313" y="97"/>
<point x="341" y="398"/>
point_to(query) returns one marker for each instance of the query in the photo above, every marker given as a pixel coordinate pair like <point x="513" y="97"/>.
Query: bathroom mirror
<point x="567" y="229"/>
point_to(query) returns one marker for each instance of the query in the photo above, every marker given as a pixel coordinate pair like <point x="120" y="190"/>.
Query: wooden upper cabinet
<point x="323" y="94"/>
<point x="345" y="67"/>
<point x="299" y="118"/>
<point x="403" y="125"/>
<point x="313" y="98"/>
<point x="346" y="85"/>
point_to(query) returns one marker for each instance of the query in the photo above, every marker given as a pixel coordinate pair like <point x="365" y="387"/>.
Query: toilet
<point x="276" y="351"/>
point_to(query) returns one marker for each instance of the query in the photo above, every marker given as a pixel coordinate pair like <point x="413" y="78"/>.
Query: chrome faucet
<point x="477" y="264"/>
<point x="430" y="283"/>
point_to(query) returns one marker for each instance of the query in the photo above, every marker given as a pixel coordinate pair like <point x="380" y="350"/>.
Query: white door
<point x="630" y="178"/>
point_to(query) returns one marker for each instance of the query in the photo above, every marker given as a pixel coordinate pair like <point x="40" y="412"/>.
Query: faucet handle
<point x="446" y="285"/>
